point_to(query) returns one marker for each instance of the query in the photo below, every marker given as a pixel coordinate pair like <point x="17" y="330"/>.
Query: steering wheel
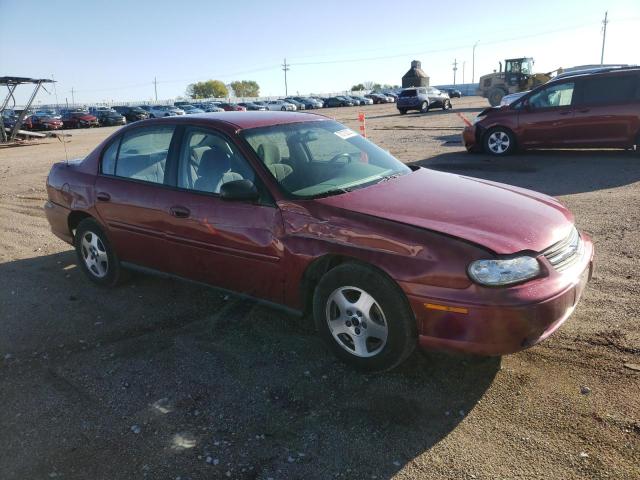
<point x="339" y="156"/>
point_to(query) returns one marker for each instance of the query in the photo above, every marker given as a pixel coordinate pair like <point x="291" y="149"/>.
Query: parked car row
<point x="94" y="116"/>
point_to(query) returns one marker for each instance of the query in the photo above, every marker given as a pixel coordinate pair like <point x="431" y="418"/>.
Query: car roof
<point x="596" y="71"/>
<point x="246" y="120"/>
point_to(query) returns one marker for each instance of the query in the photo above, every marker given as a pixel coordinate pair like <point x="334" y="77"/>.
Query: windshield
<point x="314" y="159"/>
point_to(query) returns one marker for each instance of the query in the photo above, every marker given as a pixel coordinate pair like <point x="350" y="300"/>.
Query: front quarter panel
<point x="409" y="255"/>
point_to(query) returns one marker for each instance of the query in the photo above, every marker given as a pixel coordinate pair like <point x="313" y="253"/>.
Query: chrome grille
<point x="566" y="252"/>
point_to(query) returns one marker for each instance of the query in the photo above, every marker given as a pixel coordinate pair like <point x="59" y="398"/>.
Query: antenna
<point x="64" y="142"/>
<point x="604" y="36"/>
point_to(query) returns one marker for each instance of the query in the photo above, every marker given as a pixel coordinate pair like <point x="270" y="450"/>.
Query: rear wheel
<point x="95" y="255"/>
<point x="402" y="111"/>
<point x="424" y="107"/>
<point x="495" y="96"/>
<point x="499" y="141"/>
<point x="364" y="317"/>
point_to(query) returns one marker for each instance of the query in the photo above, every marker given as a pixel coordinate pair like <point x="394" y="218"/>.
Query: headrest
<point x="213" y="163"/>
<point x="269" y="153"/>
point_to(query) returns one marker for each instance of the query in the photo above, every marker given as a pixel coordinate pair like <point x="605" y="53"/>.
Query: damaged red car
<point x="297" y="210"/>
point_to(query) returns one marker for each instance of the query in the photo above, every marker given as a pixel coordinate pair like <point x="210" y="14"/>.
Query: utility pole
<point x="604" y="36"/>
<point x="473" y="63"/>
<point x="455" y="69"/>
<point x="73" y="98"/>
<point x="155" y="87"/>
<point x="463" y="64"/>
<point x="285" y="69"/>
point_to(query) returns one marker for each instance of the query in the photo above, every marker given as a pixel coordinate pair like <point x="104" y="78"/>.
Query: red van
<point x="589" y="110"/>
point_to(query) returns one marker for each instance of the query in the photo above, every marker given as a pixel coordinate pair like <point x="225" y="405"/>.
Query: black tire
<point x="89" y="226"/>
<point x="424" y="107"/>
<point x="283" y="109"/>
<point x="446" y="105"/>
<point x="390" y="308"/>
<point x="495" y="96"/>
<point x="499" y="141"/>
<point x="402" y="111"/>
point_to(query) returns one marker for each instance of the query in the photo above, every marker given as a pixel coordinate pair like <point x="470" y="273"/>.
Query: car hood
<point x="499" y="217"/>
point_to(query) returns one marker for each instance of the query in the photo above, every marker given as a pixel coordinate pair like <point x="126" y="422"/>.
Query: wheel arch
<point x="74" y="219"/>
<point x="323" y="264"/>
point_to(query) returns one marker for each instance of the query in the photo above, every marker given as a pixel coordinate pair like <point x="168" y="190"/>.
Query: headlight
<point x="504" y="272"/>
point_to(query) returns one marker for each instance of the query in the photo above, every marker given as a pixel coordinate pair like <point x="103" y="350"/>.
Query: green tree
<point x="246" y="88"/>
<point x="208" y="89"/>
<point x="376" y="87"/>
<point x="358" y="88"/>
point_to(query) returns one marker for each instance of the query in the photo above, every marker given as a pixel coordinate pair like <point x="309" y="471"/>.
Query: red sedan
<point x="79" y="120"/>
<point x="297" y="210"/>
<point x="232" y="107"/>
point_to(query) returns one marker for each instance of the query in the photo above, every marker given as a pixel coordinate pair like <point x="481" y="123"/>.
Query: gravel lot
<point x="162" y="379"/>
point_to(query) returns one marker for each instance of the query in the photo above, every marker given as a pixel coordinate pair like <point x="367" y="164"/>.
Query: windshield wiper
<point x="386" y="178"/>
<point x="334" y="191"/>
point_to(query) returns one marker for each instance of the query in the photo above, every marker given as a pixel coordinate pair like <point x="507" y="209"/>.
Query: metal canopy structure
<point x="12" y="83"/>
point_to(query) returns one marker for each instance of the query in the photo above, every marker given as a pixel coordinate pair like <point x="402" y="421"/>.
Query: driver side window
<point x="559" y="95"/>
<point x="207" y="161"/>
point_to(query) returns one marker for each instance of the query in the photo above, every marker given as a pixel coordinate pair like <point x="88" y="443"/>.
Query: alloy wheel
<point x="499" y="142"/>
<point x="94" y="254"/>
<point x="356" y="321"/>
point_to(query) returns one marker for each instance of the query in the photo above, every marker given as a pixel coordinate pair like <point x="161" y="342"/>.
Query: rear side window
<point x="142" y="155"/>
<point x="408" y="93"/>
<point x="610" y="89"/>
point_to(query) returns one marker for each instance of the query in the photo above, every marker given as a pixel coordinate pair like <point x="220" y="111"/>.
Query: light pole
<point x="464" y="62"/>
<point x="473" y="62"/>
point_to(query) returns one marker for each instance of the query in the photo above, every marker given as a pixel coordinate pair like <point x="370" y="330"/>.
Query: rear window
<point x="409" y="93"/>
<point x="142" y="154"/>
<point x="610" y="89"/>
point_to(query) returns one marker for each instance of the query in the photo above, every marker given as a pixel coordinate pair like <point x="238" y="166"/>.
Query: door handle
<point x="565" y="113"/>
<point x="584" y="110"/>
<point x="180" y="212"/>
<point x="103" y="196"/>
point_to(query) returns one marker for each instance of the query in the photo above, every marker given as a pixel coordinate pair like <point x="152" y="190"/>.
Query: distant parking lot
<point x="163" y="379"/>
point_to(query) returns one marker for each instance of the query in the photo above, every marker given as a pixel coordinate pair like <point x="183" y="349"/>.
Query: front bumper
<point x="491" y="327"/>
<point x="471" y="138"/>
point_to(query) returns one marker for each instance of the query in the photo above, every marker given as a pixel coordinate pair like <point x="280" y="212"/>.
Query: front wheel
<point x="96" y="257"/>
<point x="424" y="107"/>
<point x="364" y="317"/>
<point x="446" y="105"/>
<point x="402" y="111"/>
<point x="499" y="141"/>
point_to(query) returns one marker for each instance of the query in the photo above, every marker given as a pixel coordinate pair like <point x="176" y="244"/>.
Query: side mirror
<point x="239" y="190"/>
